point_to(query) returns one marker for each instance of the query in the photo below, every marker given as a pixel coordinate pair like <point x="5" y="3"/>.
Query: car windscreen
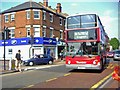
<point x="45" y="56"/>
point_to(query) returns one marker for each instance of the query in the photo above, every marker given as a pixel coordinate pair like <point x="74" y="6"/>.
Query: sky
<point x="107" y="10"/>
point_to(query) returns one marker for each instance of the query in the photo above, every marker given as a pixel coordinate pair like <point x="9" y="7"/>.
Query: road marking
<point x="116" y="65"/>
<point x="100" y="82"/>
<point x="51" y="79"/>
<point x="67" y="74"/>
<point x="109" y="65"/>
<point x="30" y="86"/>
<point x="29" y="70"/>
<point x="112" y="67"/>
<point x="9" y="74"/>
<point x="20" y="89"/>
<point x="106" y="65"/>
<point x="103" y="85"/>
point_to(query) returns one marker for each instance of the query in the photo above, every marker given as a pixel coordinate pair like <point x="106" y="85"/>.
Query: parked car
<point x="39" y="59"/>
<point x="116" y="55"/>
<point x="110" y="54"/>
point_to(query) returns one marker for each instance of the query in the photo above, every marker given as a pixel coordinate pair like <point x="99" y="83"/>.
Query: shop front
<point x="41" y="45"/>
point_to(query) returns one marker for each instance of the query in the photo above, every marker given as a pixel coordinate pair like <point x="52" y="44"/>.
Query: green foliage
<point x="114" y="42"/>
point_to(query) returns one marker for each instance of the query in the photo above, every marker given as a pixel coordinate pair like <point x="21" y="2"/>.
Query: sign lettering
<point x="81" y="35"/>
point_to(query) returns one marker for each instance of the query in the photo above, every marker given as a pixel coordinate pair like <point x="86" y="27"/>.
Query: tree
<point x="114" y="42"/>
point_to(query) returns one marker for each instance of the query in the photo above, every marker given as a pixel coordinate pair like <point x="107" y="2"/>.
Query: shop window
<point x="9" y="51"/>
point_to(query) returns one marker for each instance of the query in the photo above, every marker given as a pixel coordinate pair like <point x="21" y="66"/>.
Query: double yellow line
<point x="100" y="82"/>
<point x="111" y="66"/>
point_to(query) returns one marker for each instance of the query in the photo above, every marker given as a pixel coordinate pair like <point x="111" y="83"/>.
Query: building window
<point x="61" y="21"/>
<point x="51" y="32"/>
<point x="51" y="17"/>
<point x="36" y="32"/>
<point x="61" y="34"/>
<point x="6" y="18"/>
<point x="12" y="17"/>
<point x="9" y="51"/>
<point x="44" y="31"/>
<point x="36" y="15"/>
<point x="12" y="33"/>
<point x="28" y="31"/>
<point x="44" y="15"/>
<point x="28" y="14"/>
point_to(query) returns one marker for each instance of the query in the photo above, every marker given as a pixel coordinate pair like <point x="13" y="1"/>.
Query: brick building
<point x="32" y="19"/>
<point x="36" y="19"/>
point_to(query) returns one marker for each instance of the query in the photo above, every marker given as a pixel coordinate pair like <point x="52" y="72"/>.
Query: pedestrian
<point x="18" y="61"/>
<point x="61" y="54"/>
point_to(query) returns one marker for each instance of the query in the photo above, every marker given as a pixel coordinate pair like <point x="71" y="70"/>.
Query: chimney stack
<point x="58" y="8"/>
<point x="45" y="2"/>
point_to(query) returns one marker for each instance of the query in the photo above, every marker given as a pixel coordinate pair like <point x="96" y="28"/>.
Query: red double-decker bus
<point x="86" y="42"/>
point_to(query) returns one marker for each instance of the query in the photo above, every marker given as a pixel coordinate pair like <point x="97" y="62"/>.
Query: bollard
<point x="116" y="74"/>
<point x="10" y="64"/>
<point x="13" y="65"/>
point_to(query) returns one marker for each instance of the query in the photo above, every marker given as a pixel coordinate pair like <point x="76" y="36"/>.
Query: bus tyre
<point x="105" y="60"/>
<point x="31" y="63"/>
<point x="101" y="65"/>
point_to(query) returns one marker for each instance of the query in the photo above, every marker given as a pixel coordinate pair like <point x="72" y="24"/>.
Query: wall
<point x="24" y="51"/>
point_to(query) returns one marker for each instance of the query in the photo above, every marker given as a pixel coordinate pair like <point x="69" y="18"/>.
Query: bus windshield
<point x="84" y="48"/>
<point x="81" y="21"/>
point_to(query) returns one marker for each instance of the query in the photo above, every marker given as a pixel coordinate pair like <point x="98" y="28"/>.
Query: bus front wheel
<point x="101" y="65"/>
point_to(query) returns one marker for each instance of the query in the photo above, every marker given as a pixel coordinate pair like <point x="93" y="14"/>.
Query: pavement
<point x="26" y="68"/>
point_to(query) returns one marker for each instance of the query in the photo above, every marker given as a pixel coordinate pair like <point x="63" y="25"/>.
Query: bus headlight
<point x="69" y="62"/>
<point x="95" y="62"/>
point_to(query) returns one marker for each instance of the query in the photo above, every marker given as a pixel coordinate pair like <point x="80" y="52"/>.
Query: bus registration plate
<point x="81" y="67"/>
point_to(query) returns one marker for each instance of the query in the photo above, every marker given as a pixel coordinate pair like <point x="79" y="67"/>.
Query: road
<point x="58" y="77"/>
<point x="20" y="80"/>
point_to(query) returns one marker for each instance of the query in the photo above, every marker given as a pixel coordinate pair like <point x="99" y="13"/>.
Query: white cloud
<point x="108" y="12"/>
<point x="111" y="25"/>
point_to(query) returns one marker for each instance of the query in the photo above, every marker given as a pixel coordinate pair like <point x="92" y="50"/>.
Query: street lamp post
<point x="4" y="49"/>
<point x="31" y="42"/>
<point x="6" y="36"/>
